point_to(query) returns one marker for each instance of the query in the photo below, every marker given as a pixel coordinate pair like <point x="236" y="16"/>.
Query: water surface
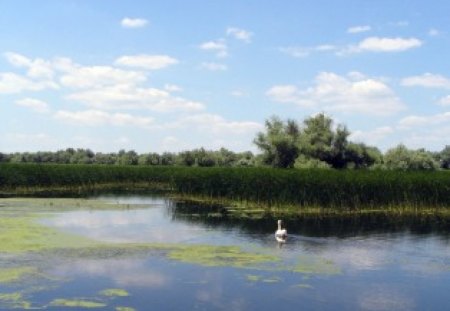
<point x="324" y="265"/>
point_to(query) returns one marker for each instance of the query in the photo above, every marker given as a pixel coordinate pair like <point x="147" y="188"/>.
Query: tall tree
<point x="279" y="143"/>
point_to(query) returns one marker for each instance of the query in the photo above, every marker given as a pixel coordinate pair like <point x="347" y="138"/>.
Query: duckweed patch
<point x="259" y="278"/>
<point x="20" y="234"/>
<point x="9" y="275"/>
<point x="14" y="301"/>
<point x="77" y="303"/>
<point x="214" y="256"/>
<point x="114" y="292"/>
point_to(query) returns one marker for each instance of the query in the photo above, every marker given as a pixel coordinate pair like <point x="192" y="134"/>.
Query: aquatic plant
<point x="79" y="303"/>
<point x="13" y="274"/>
<point x="114" y="292"/>
<point x="213" y="256"/>
<point x="297" y="189"/>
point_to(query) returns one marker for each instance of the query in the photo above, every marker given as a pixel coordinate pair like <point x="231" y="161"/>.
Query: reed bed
<point x="346" y="189"/>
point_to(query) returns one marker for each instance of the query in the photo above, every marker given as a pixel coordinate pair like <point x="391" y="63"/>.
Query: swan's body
<point x="280" y="233"/>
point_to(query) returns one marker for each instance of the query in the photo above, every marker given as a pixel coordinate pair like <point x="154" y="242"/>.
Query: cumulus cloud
<point x="125" y="96"/>
<point x="11" y="83"/>
<point x="359" y="29"/>
<point x="370" y="44"/>
<point x="214" y="66"/>
<point x="99" y="87"/>
<point x="376" y="44"/>
<point x="239" y="34"/>
<point x="97" y="117"/>
<point x="353" y="93"/>
<point x="219" y="47"/>
<point x="82" y="77"/>
<point x="37" y="68"/>
<point x="34" y="104"/>
<point x="133" y="22"/>
<point x="414" y="121"/>
<point x="217" y="124"/>
<point x="149" y="62"/>
<point x="427" y="80"/>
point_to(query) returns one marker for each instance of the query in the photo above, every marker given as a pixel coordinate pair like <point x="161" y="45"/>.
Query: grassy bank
<point x="347" y="189"/>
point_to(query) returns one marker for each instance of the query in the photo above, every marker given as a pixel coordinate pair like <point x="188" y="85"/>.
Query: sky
<point x="167" y="75"/>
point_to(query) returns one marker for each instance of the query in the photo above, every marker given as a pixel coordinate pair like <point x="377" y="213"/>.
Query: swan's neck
<point x="279" y="226"/>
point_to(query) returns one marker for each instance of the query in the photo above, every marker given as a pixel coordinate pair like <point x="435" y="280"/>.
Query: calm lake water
<point x="324" y="265"/>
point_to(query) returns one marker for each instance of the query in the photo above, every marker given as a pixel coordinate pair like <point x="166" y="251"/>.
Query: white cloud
<point x="97" y="117"/>
<point x="149" y="62"/>
<point x="81" y="77"/>
<point x="240" y="34"/>
<point x="444" y="101"/>
<point x="348" y="94"/>
<point x="413" y="121"/>
<point x="219" y="47"/>
<point x="376" y="44"/>
<point x="172" y="88"/>
<point x="34" y="104"/>
<point x="288" y="94"/>
<point x="428" y="80"/>
<point x="11" y="83"/>
<point x="359" y="29"/>
<point x="214" y="66"/>
<point x="431" y="131"/>
<point x="37" y="68"/>
<point x="133" y="22"/>
<point x="217" y="124"/>
<point x="372" y="137"/>
<point x="126" y="96"/>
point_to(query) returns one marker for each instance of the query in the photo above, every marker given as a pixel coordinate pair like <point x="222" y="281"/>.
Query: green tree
<point x="444" y="157"/>
<point x="279" y="143"/>
<point x="402" y="158"/>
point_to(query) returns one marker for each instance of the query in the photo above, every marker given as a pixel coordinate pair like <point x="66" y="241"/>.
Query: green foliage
<point x="444" y="157"/>
<point x="280" y="142"/>
<point x="303" y="162"/>
<point x="306" y="187"/>
<point x="402" y="158"/>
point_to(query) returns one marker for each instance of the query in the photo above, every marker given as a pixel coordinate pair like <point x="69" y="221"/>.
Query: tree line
<point x="315" y="143"/>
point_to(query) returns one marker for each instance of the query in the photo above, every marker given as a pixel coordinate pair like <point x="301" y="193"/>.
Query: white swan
<point x="280" y="234"/>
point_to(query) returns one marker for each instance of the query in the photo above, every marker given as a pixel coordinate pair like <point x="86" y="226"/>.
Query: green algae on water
<point x="114" y="292"/>
<point x="125" y="309"/>
<point x="19" y="234"/>
<point x="77" y="303"/>
<point x="259" y="278"/>
<point x="215" y="256"/>
<point x="8" y="275"/>
<point x="14" y="301"/>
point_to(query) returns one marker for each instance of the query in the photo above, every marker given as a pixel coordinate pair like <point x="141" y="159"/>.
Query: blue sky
<point x="175" y="75"/>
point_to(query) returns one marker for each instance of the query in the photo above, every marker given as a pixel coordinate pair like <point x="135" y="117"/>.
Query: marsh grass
<point x="310" y="190"/>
